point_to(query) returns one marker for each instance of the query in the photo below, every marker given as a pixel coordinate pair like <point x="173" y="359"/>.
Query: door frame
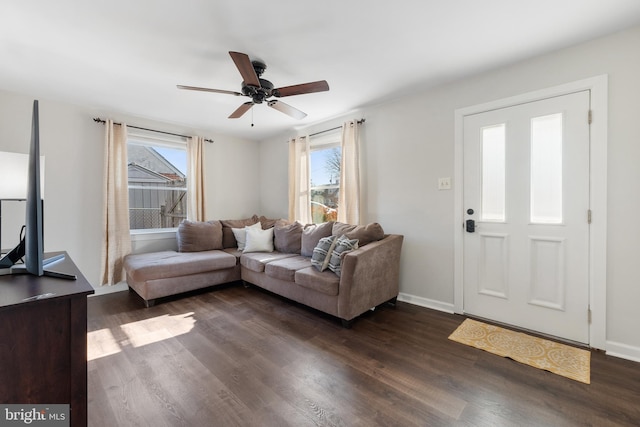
<point x="598" y="87"/>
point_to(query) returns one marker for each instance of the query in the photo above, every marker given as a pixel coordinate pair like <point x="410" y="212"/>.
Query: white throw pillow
<point x="259" y="240"/>
<point x="241" y="234"/>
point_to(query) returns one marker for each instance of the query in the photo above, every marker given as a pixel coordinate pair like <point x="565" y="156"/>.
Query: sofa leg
<point x="245" y="284"/>
<point x="149" y="303"/>
<point x="347" y="323"/>
<point x="393" y="301"/>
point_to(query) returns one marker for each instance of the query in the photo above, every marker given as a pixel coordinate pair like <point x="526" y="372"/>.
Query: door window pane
<point x="546" y="169"/>
<point x="493" y="173"/>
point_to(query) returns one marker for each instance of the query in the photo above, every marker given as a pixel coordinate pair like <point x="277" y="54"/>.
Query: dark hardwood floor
<point x="238" y="356"/>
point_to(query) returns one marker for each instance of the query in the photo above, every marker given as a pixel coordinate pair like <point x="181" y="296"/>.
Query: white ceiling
<point x="127" y="56"/>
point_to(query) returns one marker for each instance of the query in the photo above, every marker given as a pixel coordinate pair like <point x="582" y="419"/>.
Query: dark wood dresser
<point x="43" y="340"/>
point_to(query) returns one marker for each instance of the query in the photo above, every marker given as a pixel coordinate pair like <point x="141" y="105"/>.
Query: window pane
<point x="157" y="186"/>
<point x="546" y="169"/>
<point x="325" y="183"/>
<point x="493" y="173"/>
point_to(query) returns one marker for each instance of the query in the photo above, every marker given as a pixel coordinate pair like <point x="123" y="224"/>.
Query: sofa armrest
<point x="370" y="276"/>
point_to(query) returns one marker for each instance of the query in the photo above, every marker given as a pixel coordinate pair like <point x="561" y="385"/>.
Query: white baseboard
<point x="426" y="302"/>
<point x="623" y="351"/>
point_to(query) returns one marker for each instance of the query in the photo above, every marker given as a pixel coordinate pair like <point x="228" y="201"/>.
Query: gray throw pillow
<point x="196" y="236"/>
<point x="343" y="246"/>
<point x="288" y="238"/>
<point x="311" y="235"/>
<point x="322" y="253"/>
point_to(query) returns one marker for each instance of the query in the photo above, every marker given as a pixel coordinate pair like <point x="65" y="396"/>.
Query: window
<point x="493" y="173"/>
<point x="157" y="183"/>
<point x="324" y="159"/>
<point x="546" y="169"/>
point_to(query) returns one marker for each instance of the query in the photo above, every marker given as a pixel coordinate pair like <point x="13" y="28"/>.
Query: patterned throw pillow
<point x="343" y="246"/>
<point x="322" y="252"/>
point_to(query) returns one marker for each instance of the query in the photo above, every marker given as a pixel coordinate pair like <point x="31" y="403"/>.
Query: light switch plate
<point x="444" y="183"/>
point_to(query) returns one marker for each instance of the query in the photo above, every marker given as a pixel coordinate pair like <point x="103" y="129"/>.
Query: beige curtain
<point x="299" y="191"/>
<point x="116" y="240"/>
<point x="349" y="198"/>
<point x="195" y="179"/>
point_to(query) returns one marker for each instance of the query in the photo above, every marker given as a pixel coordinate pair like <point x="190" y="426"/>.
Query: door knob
<point x="470" y="226"/>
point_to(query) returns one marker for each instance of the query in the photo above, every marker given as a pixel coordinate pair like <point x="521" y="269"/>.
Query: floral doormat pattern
<point x="561" y="359"/>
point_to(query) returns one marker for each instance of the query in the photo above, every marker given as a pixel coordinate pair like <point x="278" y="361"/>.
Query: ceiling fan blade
<point x="241" y="110"/>
<point x="319" y="86"/>
<point x="244" y="65"/>
<point x="287" y="109"/>
<point x="205" y="89"/>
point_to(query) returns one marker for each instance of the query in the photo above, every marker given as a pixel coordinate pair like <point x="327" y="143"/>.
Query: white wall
<point x="409" y="144"/>
<point x="72" y="144"/>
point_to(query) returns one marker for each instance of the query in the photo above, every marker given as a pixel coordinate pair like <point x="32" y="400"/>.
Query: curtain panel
<point x="116" y="239"/>
<point x="195" y="179"/>
<point x="349" y="196"/>
<point x="299" y="180"/>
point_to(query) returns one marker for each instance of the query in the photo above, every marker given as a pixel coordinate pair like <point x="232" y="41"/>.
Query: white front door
<point x="526" y="204"/>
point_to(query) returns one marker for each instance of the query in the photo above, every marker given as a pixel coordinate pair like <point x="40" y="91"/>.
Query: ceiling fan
<point x="260" y="90"/>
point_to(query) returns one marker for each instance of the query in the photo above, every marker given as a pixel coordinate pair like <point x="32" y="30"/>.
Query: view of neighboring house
<point x="157" y="196"/>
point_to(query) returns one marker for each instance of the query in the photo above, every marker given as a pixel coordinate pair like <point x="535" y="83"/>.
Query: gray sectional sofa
<point x="361" y="271"/>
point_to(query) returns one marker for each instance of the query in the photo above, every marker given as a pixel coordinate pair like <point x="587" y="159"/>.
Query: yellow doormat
<point x="570" y="362"/>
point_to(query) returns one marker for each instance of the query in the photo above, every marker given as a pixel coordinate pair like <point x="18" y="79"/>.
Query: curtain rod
<point x="361" y="121"/>
<point x="99" y="120"/>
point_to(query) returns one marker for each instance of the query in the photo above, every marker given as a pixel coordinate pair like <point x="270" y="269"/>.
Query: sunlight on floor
<point x="105" y="342"/>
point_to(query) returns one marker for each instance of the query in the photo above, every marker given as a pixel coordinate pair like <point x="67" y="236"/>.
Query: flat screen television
<point x="32" y="247"/>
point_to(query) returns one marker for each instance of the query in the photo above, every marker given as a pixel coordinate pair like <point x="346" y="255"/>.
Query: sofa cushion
<point x="288" y="237"/>
<point x="342" y="247"/>
<point x="322" y="253"/>
<point x="320" y="281"/>
<point x="235" y="252"/>
<point x="366" y="234"/>
<point x="340" y="228"/>
<point x="268" y="223"/>
<point x="285" y="269"/>
<point x="255" y="261"/>
<point x="259" y="240"/>
<point x="240" y="234"/>
<point x="228" y="239"/>
<point x="311" y="235"/>
<point x="165" y="264"/>
<point x="195" y="236"/>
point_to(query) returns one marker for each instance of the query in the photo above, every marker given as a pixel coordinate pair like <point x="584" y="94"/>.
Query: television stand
<point x="44" y="337"/>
